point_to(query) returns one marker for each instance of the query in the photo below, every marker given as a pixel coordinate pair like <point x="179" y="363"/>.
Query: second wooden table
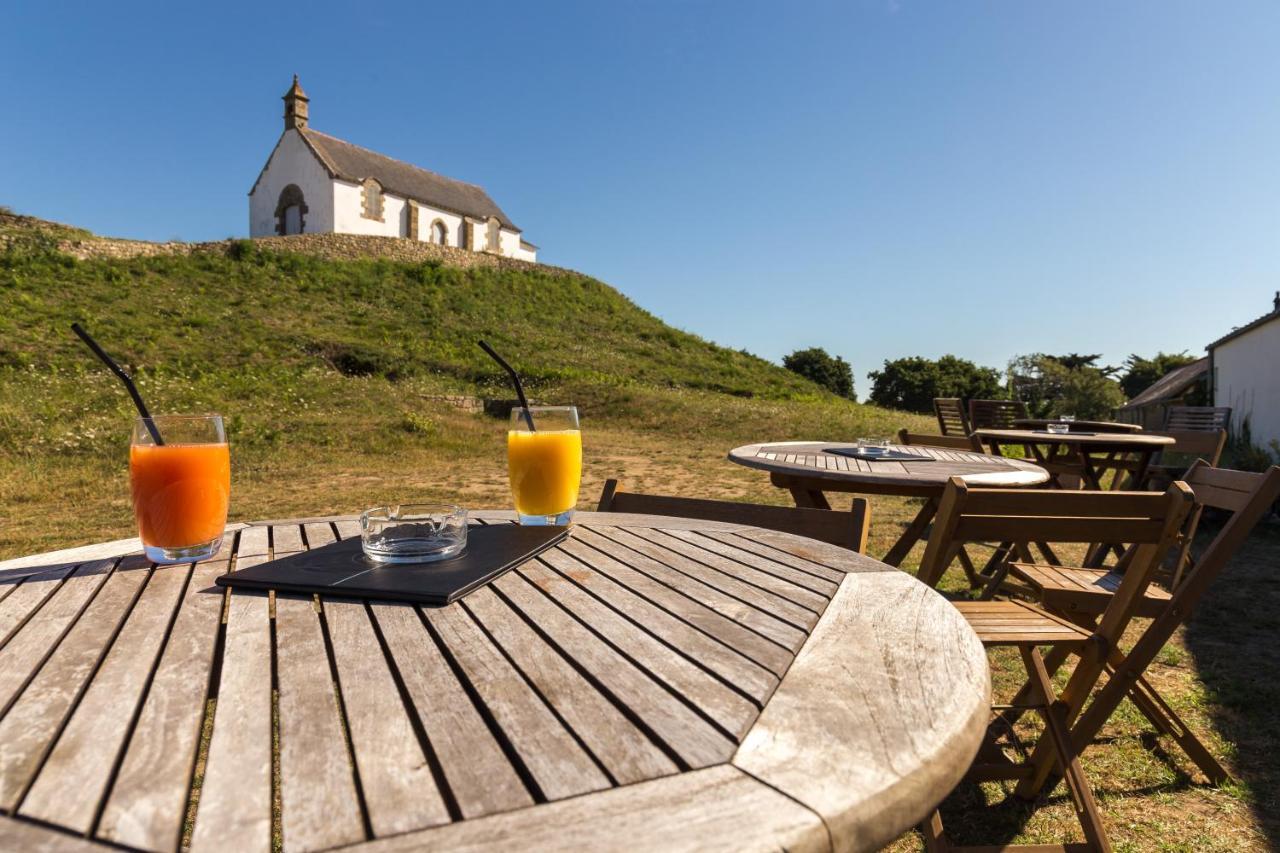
<point x="808" y="469"/>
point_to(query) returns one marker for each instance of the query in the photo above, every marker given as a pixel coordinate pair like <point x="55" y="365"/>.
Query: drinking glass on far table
<point x="873" y="446"/>
<point x="544" y="463"/>
<point x="181" y="488"/>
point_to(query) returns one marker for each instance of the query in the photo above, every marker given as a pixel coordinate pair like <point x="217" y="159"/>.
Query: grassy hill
<point x="329" y="371"/>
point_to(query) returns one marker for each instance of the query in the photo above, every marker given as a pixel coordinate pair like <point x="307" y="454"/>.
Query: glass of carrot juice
<point x="544" y="463"/>
<point x="181" y="486"/>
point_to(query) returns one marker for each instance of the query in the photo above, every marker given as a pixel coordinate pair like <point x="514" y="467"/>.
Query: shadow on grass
<point x="1234" y="636"/>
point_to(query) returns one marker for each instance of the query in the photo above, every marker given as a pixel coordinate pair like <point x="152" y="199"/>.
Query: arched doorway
<point x="291" y="211"/>
<point x="439" y="233"/>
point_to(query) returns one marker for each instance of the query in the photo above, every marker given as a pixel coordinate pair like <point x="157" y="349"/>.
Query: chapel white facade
<point x="314" y="183"/>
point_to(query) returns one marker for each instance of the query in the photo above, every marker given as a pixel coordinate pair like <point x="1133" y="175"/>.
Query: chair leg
<point x="935" y="838"/>
<point x="1056" y="727"/>
<point x="1167" y="722"/>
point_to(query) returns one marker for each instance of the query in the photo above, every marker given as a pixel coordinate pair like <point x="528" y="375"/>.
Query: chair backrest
<point x="995" y="414"/>
<point x="952" y="442"/>
<point x="951" y="417"/>
<point x="1249" y="497"/>
<point x="1204" y="444"/>
<point x="846" y="529"/>
<point x="1200" y="418"/>
<point x="968" y="514"/>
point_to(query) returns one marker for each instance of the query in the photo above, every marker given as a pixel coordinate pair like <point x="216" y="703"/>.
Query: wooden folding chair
<point x="846" y="529"/>
<point x="1150" y="521"/>
<point x="1188" y="446"/>
<point x="963" y="441"/>
<point x="1080" y="595"/>
<point x="1201" y="418"/>
<point x="951" y="416"/>
<point x="995" y="414"/>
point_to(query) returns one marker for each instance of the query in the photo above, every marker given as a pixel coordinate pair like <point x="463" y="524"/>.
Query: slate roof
<point x="353" y="163"/>
<point x="1170" y="385"/>
<point x="1263" y="320"/>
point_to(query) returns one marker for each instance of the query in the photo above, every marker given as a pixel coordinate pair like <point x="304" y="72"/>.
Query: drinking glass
<point x="1058" y="428"/>
<point x="544" y="463"/>
<point x="1067" y="419"/>
<point x="181" y="488"/>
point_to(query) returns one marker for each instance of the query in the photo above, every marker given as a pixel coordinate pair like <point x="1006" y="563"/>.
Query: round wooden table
<point x="807" y="470"/>
<point x="647" y="684"/>
<point x="1082" y="454"/>
<point x="1077" y="426"/>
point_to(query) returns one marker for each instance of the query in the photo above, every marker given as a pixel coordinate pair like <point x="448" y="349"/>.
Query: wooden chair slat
<point x="951" y="416"/>
<point x="1211" y="418"/>
<point x="953" y="441"/>
<point x="992" y="528"/>
<point x="995" y="414"/>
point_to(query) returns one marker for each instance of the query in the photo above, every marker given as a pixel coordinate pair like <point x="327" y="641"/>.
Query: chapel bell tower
<point x="295" y="106"/>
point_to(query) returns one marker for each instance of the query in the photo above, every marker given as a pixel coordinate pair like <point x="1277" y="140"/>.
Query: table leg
<point x="809" y="498"/>
<point x="913" y="534"/>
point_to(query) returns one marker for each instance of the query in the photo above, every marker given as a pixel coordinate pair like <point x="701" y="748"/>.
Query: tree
<point x="1141" y="373"/>
<point x="912" y="383"/>
<point x="818" y="366"/>
<point x="1050" y="388"/>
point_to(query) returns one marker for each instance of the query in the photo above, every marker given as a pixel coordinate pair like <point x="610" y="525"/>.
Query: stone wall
<point x="330" y="246"/>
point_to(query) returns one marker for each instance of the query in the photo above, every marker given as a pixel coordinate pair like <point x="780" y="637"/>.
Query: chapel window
<point x="371" y="200"/>
<point x="439" y="234"/>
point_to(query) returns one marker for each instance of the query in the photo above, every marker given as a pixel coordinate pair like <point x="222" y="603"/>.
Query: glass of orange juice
<point x="544" y="463"/>
<point x="181" y="487"/>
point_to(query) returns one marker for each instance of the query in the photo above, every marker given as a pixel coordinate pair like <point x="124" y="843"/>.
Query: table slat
<point x="624" y="751"/>
<point x="550" y="758"/>
<point x="235" y="805"/>
<point x="734" y="667"/>
<point x="25" y="596"/>
<point x="31" y="723"/>
<point x="730" y="709"/>
<point x="27" y="649"/>
<point x="400" y="791"/>
<point x="680" y="728"/>
<point x="148" y="802"/>
<point x="479" y="775"/>
<point x="773" y="640"/>
<point x="318" y="803"/>
<point x="86" y="752"/>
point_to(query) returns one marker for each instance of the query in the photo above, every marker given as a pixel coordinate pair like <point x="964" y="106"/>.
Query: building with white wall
<point x="314" y="183"/>
<point x="1244" y="372"/>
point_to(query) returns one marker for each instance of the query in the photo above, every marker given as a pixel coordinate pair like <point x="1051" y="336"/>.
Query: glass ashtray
<point x="413" y="533"/>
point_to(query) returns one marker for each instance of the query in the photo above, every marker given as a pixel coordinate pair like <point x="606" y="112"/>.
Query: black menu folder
<point x="888" y="456"/>
<point x="341" y="568"/>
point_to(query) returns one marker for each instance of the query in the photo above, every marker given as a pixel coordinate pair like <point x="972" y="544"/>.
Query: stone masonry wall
<point x="329" y="246"/>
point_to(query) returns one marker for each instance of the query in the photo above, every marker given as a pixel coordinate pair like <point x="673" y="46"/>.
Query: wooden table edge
<point x="869" y="823"/>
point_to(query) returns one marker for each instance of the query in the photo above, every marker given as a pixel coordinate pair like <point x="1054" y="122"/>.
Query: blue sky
<point x="881" y="178"/>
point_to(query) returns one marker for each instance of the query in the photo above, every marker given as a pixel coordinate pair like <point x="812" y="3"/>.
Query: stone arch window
<point x="493" y="237"/>
<point x="291" y="211"/>
<point x="439" y="233"/>
<point x="371" y="199"/>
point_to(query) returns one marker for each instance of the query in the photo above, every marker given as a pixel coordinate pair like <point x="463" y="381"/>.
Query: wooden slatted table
<point x="650" y="683"/>
<point x="808" y="471"/>
<point x="1081" y="454"/>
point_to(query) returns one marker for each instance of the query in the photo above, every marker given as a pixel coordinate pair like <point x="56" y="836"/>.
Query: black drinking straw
<point x="515" y="380"/>
<point x="124" y="377"/>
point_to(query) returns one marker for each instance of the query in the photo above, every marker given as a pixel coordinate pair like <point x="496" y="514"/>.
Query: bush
<point x="818" y="366"/>
<point x="912" y="383"/>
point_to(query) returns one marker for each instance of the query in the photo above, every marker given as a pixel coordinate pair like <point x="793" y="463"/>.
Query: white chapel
<point x="314" y="183"/>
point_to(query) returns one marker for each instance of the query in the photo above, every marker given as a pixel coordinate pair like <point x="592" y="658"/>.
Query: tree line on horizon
<point x="1050" y="385"/>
